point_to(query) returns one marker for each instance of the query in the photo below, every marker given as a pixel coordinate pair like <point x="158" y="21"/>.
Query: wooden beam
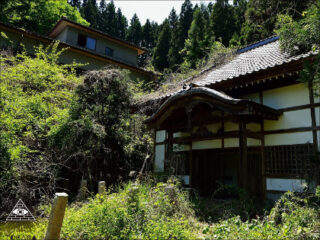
<point x="300" y="107"/>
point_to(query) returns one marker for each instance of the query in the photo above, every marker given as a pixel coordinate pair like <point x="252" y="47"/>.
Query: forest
<point x="58" y="127"/>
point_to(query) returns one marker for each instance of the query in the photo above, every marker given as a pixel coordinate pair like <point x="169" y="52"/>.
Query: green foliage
<point x="261" y="17"/>
<point x="194" y="46"/>
<point x="160" y="59"/>
<point x="293" y="217"/>
<point x="134" y="33"/>
<point x="38" y="15"/>
<point x="35" y="93"/>
<point x="143" y="211"/>
<point x="302" y="35"/>
<point x="98" y="138"/>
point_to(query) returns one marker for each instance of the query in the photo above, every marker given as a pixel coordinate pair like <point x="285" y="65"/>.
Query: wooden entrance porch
<point x="202" y="115"/>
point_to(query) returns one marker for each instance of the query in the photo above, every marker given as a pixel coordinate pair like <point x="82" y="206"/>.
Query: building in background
<point x="84" y="45"/>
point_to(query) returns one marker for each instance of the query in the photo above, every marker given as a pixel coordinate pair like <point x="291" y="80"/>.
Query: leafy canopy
<point x="38" y="15"/>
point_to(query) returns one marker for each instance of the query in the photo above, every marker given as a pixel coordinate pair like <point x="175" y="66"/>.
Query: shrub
<point x="140" y="211"/>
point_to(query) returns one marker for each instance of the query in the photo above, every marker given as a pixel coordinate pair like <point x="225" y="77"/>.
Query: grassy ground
<point x="165" y="211"/>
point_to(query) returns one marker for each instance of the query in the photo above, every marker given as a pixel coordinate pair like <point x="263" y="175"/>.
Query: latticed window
<point x="289" y="160"/>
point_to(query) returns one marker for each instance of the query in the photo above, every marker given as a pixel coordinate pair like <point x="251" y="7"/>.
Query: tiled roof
<point x="252" y="59"/>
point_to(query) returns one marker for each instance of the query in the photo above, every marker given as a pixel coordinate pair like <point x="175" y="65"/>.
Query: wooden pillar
<point x="169" y="151"/>
<point x="316" y="177"/>
<point x="263" y="160"/>
<point x="313" y="118"/>
<point x="188" y="112"/>
<point x="243" y="163"/>
<point x="190" y="164"/>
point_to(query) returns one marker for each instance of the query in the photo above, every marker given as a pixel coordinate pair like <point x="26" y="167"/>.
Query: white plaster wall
<point x="253" y="142"/>
<point x="279" y="184"/>
<point x="254" y="127"/>
<point x="63" y="35"/>
<point x="160" y="136"/>
<point x="289" y="96"/>
<point x="207" y="144"/>
<point x="288" y="138"/>
<point x="214" y="127"/>
<point x="292" y="119"/>
<point x="230" y="126"/>
<point x="231" y="142"/>
<point x="159" y="158"/>
<point x="181" y="134"/>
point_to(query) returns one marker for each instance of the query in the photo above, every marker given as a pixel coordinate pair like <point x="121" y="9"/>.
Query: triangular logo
<point x="20" y="213"/>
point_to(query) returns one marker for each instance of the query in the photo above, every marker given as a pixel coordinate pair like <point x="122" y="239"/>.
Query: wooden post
<point x="190" y="164"/>
<point x="102" y="187"/>
<point x="56" y="216"/>
<point x="314" y="132"/>
<point x="313" y="118"/>
<point x="263" y="160"/>
<point x="243" y="155"/>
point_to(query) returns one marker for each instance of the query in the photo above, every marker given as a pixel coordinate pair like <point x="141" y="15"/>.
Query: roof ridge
<point x="258" y="44"/>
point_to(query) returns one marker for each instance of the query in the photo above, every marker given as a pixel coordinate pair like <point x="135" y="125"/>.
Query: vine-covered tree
<point x="261" y="17"/>
<point x="97" y="136"/>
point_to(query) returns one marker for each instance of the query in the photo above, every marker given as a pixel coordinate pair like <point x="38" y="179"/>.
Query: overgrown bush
<point x="35" y="94"/>
<point x="100" y="139"/>
<point x="295" y="216"/>
<point x="142" y="211"/>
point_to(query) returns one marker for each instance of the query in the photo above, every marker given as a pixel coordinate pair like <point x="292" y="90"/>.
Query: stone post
<point x="102" y="187"/>
<point x="83" y="191"/>
<point x="56" y="216"/>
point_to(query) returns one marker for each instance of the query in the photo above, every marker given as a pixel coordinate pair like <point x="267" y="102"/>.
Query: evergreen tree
<point x="181" y="34"/>
<point x="173" y="18"/>
<point x="173" y="54"/>
<point x="110" y="17"/>
<point x="102" y="21"/>
<point x="134" y="33"/>
<point x="239" y="9"/>
<point x="223" y="21"/>
<point x="194" y="45"/>
<point x="185" y="19"/>
<point x="121" y="25"/>
<point x="148" y="36"/>
<point x="208" y="33"/>
<point x="90" y="12"/>
<point x="160" y="59"/>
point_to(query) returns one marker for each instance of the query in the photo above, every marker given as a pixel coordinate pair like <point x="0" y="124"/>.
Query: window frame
<point x="85" y="41"/>
<point x="111" y="50"/>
